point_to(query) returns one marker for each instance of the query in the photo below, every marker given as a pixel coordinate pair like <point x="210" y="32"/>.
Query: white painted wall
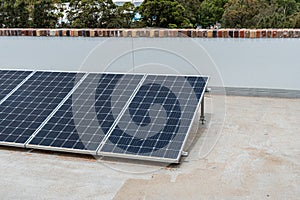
<point x="250" y="63"/>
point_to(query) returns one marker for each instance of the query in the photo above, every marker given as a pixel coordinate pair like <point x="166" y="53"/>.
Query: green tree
<point x="296" y="20"/>
<point x="285" y="13"/>
<point x="121" y="16"/>
<point x="91" y="13"/>
<point x="211" y="12"/>
<point x="83" y="14"/>
<point x="163" y="13"/>
<point x="125" y="14"/>
<point x="261" y="14"/>
<point x="45" y="14"/>
<point x="14" y="14"/>
<point x="240" y="13"/>
<point x="192" y="10"/>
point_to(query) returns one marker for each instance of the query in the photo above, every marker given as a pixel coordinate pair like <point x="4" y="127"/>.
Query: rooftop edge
<point x="154" y="33"/>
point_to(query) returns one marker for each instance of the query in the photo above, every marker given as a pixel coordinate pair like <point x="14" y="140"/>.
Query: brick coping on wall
<point x="159" y="33"/>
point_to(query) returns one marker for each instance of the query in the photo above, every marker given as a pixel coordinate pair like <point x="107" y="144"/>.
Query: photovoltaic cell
<point x="157" y="121"/>
<point x="26" y="109"/>
<point x="86" y="117"/>
<point x="11" y="79"/>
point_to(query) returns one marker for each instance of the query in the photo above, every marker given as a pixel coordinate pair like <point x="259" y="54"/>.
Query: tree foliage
<point x="91" y="13"/>
<point x="28" y="13"/>
<point x="44" y="14"/>
<point x="261" y="14"/>
<point x="240" y="13"/>
<point x="162" y="13"/>
<point x="154" y="13"/>
<point x="211" y="12"/>
<point x="192" y="10"/>
<point x="14" y="13"/>
<point x="124" y="15"/>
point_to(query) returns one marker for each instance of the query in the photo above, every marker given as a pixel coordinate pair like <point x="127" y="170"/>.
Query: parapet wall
<point x="159" y="33"/>
<point x="259" y="66"/>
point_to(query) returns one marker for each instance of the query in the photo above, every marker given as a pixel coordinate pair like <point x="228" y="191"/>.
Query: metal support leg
<point x="202" y="116"/>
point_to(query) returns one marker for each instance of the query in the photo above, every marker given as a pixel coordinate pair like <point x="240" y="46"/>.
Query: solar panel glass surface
<point x="26" y="109"/>
<point x="158" y="119"/>
<point x="11" y="79"/>
<point x="86" y="117"/>
<point x="123" y="115"/>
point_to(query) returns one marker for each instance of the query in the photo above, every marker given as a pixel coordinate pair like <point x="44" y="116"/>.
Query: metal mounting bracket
<point x="184" y="153"/>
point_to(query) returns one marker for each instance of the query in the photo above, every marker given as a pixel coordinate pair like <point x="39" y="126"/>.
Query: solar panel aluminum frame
<point x="137" y="157"/>
<point x="60" y="149"/>
<point x="16" y="69"/>
<point x="12" y="144"/>
<point x="160" y="159"/>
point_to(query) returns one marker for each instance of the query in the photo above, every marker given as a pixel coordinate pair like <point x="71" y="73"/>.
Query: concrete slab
<point x="257" y="156"/>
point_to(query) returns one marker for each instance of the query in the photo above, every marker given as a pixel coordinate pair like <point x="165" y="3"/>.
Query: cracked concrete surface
<point x="256" y="157"/>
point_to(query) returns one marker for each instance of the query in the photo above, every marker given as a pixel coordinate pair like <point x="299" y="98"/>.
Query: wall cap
<point x="154" y="33"/>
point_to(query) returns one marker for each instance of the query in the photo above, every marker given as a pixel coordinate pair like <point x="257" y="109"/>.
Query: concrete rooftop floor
<point x="257" y="156"/>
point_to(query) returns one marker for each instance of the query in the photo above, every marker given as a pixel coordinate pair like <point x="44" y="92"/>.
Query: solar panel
<point x="27" y="107"/>
<point x="156" y="123"/>
<point x="82" y="122"/>
<point x="9" y="80"/>
<point x="145" y="117"/>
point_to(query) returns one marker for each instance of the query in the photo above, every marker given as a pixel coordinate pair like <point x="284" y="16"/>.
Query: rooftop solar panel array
<point x="136" y="116"/>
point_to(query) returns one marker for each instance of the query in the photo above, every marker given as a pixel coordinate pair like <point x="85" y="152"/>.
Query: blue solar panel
<point x="85" y="118"/>
<point x="10" y="80"/>
<point x="27" y="108"/>
<point x="122" y="115"/>
<point x="158" y="119"/>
